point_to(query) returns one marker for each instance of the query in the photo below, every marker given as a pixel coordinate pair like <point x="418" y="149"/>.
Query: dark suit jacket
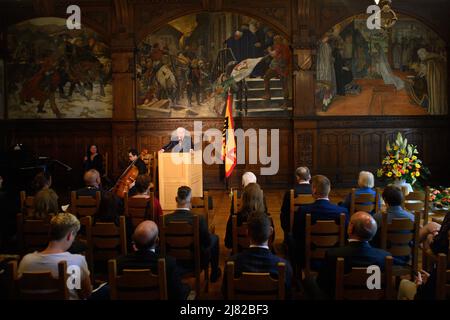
<point x="88" y="191"/>
<point x="258" y="260"/>
<point x="319" y="210"/>
<point x="140" y="164"/>
<point x="284" y="215"/>
<point x="176" y="146"/>
<point x="355" y="254"/>
<point x="186" y="215"/>
<point x="176" y="290"/>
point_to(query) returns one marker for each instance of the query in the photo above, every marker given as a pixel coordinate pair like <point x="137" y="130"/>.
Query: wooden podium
<point x="176" y="170"/>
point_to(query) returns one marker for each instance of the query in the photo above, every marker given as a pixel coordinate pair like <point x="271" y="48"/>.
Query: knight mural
<point x="57" y="73"/>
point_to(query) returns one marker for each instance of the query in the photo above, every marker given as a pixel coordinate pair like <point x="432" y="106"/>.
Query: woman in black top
<point x="93" y="160"/>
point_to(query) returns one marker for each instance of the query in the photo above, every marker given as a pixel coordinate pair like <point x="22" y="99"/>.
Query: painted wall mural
<point x="185" y="68"/>
<point x="54" y="72"/>
<point x="401" y="71"/>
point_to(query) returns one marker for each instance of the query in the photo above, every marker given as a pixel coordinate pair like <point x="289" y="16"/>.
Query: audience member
<point x="145" y="242"/>
<point x="209" y="243"/>
<point x="142" y="190"/>
<point x="366" y="182"/>
<point x="259" y="258"/>
<point x="247" y="178"/>
<point x="45" y="203"/>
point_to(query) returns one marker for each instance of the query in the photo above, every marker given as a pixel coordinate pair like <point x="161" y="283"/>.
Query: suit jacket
<point x="147" y="259"/>
<point x="319" y="210"/>
<point x="187" y="215"/>
<point x="179" y="146"/>
<point x="142" y="167"/>
<point x="285" y="207"/>
<point x="258" y="260"/>
<point x="88" y="192"/>
<point x="355" y="254"/>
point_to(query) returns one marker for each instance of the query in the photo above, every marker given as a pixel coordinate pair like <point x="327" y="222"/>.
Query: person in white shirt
<point x="63" y="230"/>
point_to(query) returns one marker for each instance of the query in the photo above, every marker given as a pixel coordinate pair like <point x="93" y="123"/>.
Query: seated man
<point x="302" y="176"/>
<point x="63" y="230"/>
<point x="92" y="183"/>
<point x="145" y="241"/>
<point x="209" y="243"/>
<point x="141" y="189"/>
<point x="393" y="197"/>
<point x="358" y="252"/>
<point x="259" y="258"/>
<point x="321" y="209"/>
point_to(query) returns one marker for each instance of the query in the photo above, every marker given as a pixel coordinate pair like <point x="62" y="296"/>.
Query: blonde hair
<point x="62" y="224"/>
<point x="366" y="179"/>
<point x="321" y="185"/>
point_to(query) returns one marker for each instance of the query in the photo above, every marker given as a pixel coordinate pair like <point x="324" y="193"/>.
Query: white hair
<point x="366" y="179"/>
<point x="248" y="177"/>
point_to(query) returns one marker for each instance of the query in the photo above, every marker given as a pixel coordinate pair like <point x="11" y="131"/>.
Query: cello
<point x="125" y="181"/>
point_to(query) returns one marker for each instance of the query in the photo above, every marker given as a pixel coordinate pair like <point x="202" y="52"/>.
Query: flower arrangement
<point x="401" y="162"/>
<point x="440" y="197"/>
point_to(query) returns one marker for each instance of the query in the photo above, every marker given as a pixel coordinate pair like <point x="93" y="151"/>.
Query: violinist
<point x="133" y="155"/>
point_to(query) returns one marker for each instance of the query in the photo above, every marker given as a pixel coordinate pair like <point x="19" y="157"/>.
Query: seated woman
<point x="365" y="186"/>
<point x="42" y="181"/>
<point x="45" y="204"/>
<point x="142" y="190"/>
<point x="252" y="201"/>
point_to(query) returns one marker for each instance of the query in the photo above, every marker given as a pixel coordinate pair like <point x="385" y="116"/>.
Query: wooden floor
<point x="222" y="203"/>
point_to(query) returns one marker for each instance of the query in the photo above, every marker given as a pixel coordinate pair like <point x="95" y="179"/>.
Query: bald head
<point x="92" y="178"/>
<point x="145" y="235"/>
<point x="362" y="226"/>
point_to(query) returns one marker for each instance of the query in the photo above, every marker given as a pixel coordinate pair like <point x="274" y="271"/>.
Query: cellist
<point x="133" y="155"/>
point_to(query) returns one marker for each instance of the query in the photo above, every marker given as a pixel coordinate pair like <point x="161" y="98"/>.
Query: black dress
<point x="96" y="164"/>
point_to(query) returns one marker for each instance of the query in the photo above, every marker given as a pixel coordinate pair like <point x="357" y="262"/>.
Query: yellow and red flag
<point x="228" y="140"/>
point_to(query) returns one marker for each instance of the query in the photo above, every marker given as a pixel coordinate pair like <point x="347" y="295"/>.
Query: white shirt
<point x="323" y="199"/>
<point x="38" y="262"/>
<point x="303" y="182"/>
<point x="255" y="246"/>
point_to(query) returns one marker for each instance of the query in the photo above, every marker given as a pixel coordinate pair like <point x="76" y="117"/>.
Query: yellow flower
<point x="406" y="159"/>
<point x="413" y="174"/>
<point x="389" y="174"/>
<point x="400" y="161"/>
<point x="417" y="173"/>
<point x="395" y="147"/>
<point x="403" y="151"/>
<point x="417" y="166"/>
<point x="398" y="174"/>
<point x="392" y="161"/>
<point x="406" y="171"/>
<point x="414" y="158"/>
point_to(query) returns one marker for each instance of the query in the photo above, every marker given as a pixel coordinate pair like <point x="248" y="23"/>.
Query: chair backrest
<point x="397" y="236"/>
<point x="181" y="240"/>
<point x="106" y="164"/>
<point x="418" y="201"/>
<point x="366" y="202"/>
<point x="26" y="204"/>
<point x="295" y="202"/>
<point x="320" y="237"/>
<point x="105" y="240"/>
<point x="83" y="206"/>
<point x="40" y="285"/>
<point x="443" y="277"/>
<point x="32" y="234"/>
<point x="256" y="286"/>
<point x="237" y="201"/>
<point x="200" y="206"/>
<point x="239" y="235"/>
<point x="353" y="285"/>
<point x="137" y="284"/>
<point x="139" y="209"/>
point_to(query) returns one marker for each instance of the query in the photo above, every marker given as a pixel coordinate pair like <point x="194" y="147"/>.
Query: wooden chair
<point x="236" y="201"/>
<point x="32" y="234"/>
<point x="106" y="164"/>
<point x="105" y="241"/>
<point x="366" y="202"/>
<point x="296" y="202"/>
<point x="139" y="209"/>
<point x="26" y="204"/>
<point x="240" y="237"/>
<point x="39" y="285"/>
<point x="320" y="237"/>
<point x="396" y="238"/>
<point x="256" y="286"/>
<point x="200" y="206"/>
<point x="353" y="285"/>
<point x="417" y="201"/>
<point x="181" y="240"/>
<point x="443" y="277"/>
<point x="83" y="206"/>
<point x="137" y="284"/>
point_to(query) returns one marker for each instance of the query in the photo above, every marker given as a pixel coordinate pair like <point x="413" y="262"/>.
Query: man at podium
<point x="180" y="142"/>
